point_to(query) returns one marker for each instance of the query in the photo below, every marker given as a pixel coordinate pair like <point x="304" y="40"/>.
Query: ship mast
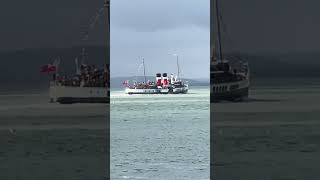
<point x="218" y="30"/>
<point x="83" y="56"/>
<point x="178" y="67"/>
<point x="105" y="9"/>
<point x="107" y="14"/>
<point x="144" y="71"/>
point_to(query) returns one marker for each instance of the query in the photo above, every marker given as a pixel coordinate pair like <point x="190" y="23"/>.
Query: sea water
<point x="160" y="136"/>
<point x="52" y="141"/>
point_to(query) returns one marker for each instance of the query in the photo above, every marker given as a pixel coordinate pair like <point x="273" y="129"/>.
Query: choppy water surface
<point x="160" y="136"/>
<point x="52" y="141"/>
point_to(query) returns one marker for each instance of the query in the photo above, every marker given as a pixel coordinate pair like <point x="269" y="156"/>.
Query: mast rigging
<point x="218" y="31"/>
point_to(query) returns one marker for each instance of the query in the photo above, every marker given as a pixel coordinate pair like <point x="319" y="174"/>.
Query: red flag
<point x="125" y="83"/>
<point x="52" y="68"/>
<point x="48" y="68"/>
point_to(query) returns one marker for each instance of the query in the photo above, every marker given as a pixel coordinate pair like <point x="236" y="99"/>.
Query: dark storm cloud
<point x="273" y="25"/>
<point x="37" y="23"/>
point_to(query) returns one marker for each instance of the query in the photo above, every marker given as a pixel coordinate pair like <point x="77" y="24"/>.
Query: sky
<point x="274" y="26"/>
<point x="154" y="30"/>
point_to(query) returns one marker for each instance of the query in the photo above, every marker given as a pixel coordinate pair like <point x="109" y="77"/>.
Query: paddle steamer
<point x="161" y="85"/>
<point x="229" y="81"/>
<point x="89" y="84"/>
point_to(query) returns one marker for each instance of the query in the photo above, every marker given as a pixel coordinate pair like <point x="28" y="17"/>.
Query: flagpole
<point x="49" y="78"/>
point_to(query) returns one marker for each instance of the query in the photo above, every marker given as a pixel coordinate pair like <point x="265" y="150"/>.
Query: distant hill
<point x="21" y="69"/>
<point x="116" y="82"/>
<point x="282" y="65"/>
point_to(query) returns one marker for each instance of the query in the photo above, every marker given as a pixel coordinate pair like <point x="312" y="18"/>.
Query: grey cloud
<point x="38" y="23"/>
<point x="153" y="30"/>
<point x="146" y="15"/>
<point x="273" y="25"/>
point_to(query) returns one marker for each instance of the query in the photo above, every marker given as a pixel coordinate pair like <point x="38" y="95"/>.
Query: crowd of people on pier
<point x="86" y="76"/>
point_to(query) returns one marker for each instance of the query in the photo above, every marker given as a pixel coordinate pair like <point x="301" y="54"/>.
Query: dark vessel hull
<point x="72" y="100"/>
<point x="233" y="91"/>
<point x="233" y="95"/>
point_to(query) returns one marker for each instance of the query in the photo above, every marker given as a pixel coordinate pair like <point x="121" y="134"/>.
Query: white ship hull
<point x="69" y="94"/>
<point x="179" y="90"/>
<point x="146" y="91"/>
